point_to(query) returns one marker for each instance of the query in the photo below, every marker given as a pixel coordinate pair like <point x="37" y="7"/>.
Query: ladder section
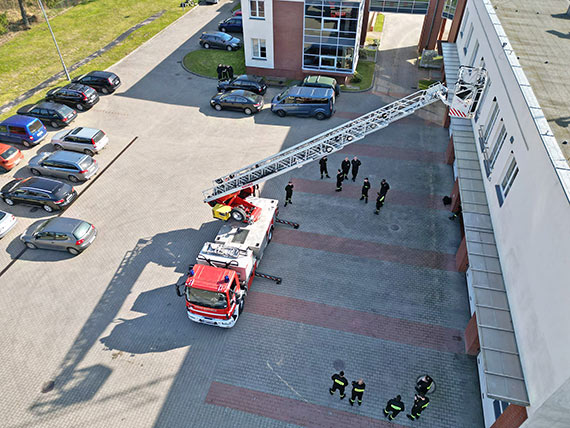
<point x="325" y="143"/>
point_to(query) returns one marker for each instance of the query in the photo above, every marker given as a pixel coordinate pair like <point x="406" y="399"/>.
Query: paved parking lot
<point x="377" y="296"/>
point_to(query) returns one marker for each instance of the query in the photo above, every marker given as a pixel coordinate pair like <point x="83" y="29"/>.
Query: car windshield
<point x="283" y="95"/>
<point x="42" y="226"/>
<point x="2" y="215"/>
<point x="36" y="125"/>
<point x="86" y="162"/>
<point x="98" y="136"/>
<point x="226" y="37"/>
<point x="209" y="299"/>
<point x="252" y="99"/>
<point x="8" y="153"/>
<point x="81" y="230"/>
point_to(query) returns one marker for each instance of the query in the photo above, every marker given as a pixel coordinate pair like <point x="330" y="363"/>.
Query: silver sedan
<point x="60" y="233"/>
<point x="7" y="222"/>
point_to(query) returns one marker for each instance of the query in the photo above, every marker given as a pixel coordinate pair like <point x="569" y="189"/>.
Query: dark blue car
<point x="231" y="25"/>
<point x="26" y="130"/>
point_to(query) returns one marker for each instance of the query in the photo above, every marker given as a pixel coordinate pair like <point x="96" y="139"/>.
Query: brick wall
<point x="471" y="336"/>
<point x="512" y="417"/>
<point x="288" y="38"/>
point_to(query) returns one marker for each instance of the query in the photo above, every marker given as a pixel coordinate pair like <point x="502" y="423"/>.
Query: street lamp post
<point x="54" y="41"/>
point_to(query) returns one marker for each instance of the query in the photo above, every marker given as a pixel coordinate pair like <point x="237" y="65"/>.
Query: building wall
<point x="531" y="225"/>
<point x="259" y="29"/>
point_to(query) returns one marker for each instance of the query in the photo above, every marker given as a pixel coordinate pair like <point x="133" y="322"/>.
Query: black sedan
<point x="54" y="114"/>
<point x="217" y="39"/>
<point x="75" y="95"/>
<point x="246" y="101"/>
<point x="102" y="81"/>
<point x="245" y="81"/>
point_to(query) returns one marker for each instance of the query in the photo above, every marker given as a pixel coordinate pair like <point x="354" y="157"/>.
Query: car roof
<point x="4" y="147"/>
<point x="62" y="224"/>
<point x="76" y="87"/>
<point x="249" y="77"/>
<point x="19" y="119"/>
<point x="64" y="155"/>
<point x="320" y="79"/>
<point x="83" y="132"/>
<point x="51" y="106"/>
<point x="243" y="93"/>
<point x="40" y="183"/>
<point x="99" y="73"/>
<point x="307" y="91"/>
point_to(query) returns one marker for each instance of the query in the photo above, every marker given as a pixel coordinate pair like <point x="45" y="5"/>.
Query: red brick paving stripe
<point x="357" y="322"/>
<point x="286" y="409"/>
<point x="352" y="191"/>
<point x="398" y="153"/>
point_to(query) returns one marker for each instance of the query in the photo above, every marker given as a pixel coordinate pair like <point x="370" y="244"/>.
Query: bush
<point x="357" y="78"/>
<point x="3" y="23"/>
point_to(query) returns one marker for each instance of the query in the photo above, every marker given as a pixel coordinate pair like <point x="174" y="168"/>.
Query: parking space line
<point x="60" y="213"/>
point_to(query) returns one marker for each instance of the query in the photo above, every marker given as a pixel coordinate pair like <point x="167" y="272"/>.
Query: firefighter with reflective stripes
<point x="424" y="384"/>
<point x="357" y="391"/>
<point x="384" y="187"/>
<point x="393" y="407"/>
<point x="339" y="179"/>
<point x="289" y="193"/>
<point x="420" y="403"/>
<point x="365" y="189"/>
<point x="339" y="382"/>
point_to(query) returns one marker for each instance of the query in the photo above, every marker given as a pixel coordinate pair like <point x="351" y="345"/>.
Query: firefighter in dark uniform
<point x="345" y="166"/>
<point x="393" y="407"/>
<point x="339" y="178"/>
<point x="365" y="189"/>
<point x="355" y="167"/>
<point x="384" y="187"/>
<point x="357" y="391"/>
<point x="323" y="165"/>
<point x="339" y="382"/>
<point x="420" y="403"/>
<point x="288" y="193"/>
<point x="424" y="385"/>
<point x="220" y="71"/>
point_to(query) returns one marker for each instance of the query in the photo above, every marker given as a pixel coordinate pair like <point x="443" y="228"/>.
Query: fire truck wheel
<point x="238" y="214"/>
<point x="241" y="304"/>
<point x="270" y="235"/>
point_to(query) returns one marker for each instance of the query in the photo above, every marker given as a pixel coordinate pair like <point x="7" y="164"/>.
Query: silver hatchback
<point x="85" y="140"/>
<point x="60" y="233"/>
<point x="73" y="166"/>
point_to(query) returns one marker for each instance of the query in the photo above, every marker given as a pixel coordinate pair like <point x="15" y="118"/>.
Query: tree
<point x="24" y="16"/>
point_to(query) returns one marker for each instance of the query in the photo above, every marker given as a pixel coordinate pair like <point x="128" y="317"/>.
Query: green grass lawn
<point x="205" y="61"/>
<point x="425" y="83"/>
<point x="236" y="7"/>
<point x="379" y="23"/>
<point x="30" y="57"/>
<point x="366" y="71"/>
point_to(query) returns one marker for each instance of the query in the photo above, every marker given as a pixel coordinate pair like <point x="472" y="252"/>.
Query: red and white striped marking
<point x="457" y="113"/>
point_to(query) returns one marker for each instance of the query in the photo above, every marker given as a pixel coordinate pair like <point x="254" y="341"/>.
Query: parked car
<point x="322" y="82"/>
<point x="26" y="130"/>
<point x="231" y="25"/>
<point x="73" y="166"/>
<point x="49" y="194"/>
<point x="7" y="222"/>
<point x="56" y="115"/>
<point x="245" y="81"/>
<point x="9" y="157"/>
<point x="217" y="39"/>
<point x="60" y="233"/>
<point x="238" y="99"/>
<point x="102" y="81"/>
<point x="74" y="95"/>
<point x="302" y="101"/>
<point x="237" y="12"/>
<point x="84" y="140"/>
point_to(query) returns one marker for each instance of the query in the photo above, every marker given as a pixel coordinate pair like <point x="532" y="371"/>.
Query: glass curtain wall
<point x="449" y="9"/>
<point x="332" y="35"/>
<point x="400" y="6"/>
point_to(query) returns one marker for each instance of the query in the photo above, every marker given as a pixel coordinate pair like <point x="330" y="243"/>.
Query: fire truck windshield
<point x="209" y="299"/>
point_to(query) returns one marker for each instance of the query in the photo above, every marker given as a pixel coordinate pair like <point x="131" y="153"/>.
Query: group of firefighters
<point x="394" y="405"/>
<point x="342" y="175"/>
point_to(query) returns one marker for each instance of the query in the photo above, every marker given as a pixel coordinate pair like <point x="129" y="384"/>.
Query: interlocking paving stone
<point x="399" y="153"/>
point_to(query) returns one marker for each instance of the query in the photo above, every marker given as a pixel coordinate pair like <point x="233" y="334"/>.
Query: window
<point x="483" y="97"/>
<point x="464" y="23"/>
<point x="449" y="9"/>
<point x="257" y="8"/>
<point x="468" y="40"/>
<point x="259" y="49"/>
<point x="475" y="52"/>
<point x="501" y="137"/>
<point x="499" y="407"/>
<point x="491" y="120"/>
<point x="507" y="183"/>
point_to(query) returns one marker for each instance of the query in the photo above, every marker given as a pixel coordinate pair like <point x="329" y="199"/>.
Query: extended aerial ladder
<point x="228" y="195"/>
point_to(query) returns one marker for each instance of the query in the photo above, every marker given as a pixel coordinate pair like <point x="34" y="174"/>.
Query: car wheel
<point x="80" y="107"/>
<point x="238" y="214"/>
<point x="248" y="111"/>
<point x="57" y="147"/>
<point x="26" y="143"/>
<point x="31" y="246"/>
<point x="206" y="46"/>
<point x="320" y="116"/>
<point x="9" y="201"/>
<point x="89" y="152"/>
<point x="54" y="124"/>
<point x="229" y="48"/>
<point x="218" y="107"/>
<point x="35" y="172"/>
<point x="73" y="178"/>
<point x="223" y="29"/>
<point x="73" y="251"/>
<point x="281" y="113"/>
<point x="105" y="91"/>
<point x="47" y="208"/>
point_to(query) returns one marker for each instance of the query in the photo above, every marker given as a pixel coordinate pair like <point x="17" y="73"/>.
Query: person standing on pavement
<point x="289" y="193"/>
<point x="339" y="178"/>
<point x="424" y="384"/>
<point x="384" y="187"/>
<point x="420" y="403"/>
<point x="355" y="166"/>
<point x="339" y="382"/>
<point x="345" y="166"/>
<point x="323" y="165"/>
<point x="393" y="407"/>
<point x="365" y="189"/>
<point x="220" y="71"/>
<point x="357" y="391"/>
